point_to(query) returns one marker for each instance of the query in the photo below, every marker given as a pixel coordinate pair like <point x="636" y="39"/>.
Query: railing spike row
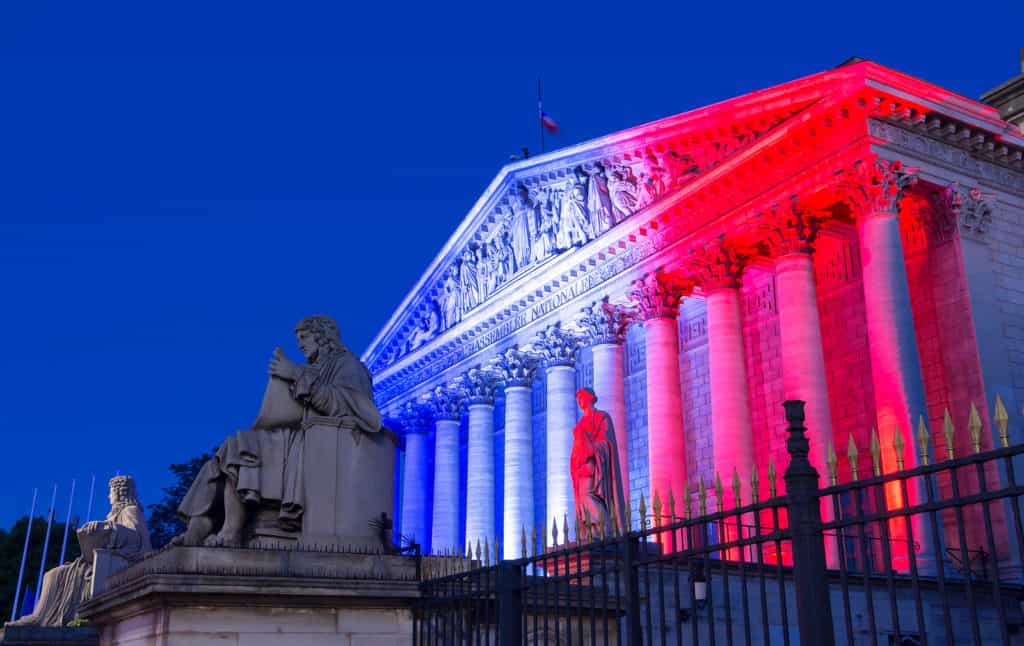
<point x="974" y="426"/>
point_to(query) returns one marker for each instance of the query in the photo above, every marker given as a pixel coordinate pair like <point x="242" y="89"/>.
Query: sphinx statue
<point x="123" y="533"/>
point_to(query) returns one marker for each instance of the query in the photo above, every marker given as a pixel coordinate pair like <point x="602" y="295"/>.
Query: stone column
<point x="558" y="349"/>
<point x="874" y="189"/>
<point x="415" y="524"/>
<point x="446" y="404"/>
<point x="792" y="231"/>
<point x="604" y="326"/>
<point x="718" y="266"/>
<point x="657" y="296"/>
<point x="515" y="369"/>
<point x="480" y="526"/>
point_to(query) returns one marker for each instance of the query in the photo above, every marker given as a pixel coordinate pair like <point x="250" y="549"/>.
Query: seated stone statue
<point x="124" y="532"/>
<point x="261" y="468"/>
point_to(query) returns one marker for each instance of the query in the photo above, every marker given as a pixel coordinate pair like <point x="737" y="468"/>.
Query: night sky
<point x="178" y="189"/>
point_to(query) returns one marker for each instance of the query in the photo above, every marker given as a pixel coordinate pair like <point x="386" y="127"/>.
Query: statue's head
<point x="122" y="492"/>
<point x="318" y="334"/>
<point x="586" y="398"/>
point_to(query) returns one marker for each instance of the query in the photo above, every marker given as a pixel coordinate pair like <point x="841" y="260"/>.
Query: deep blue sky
<point x="178" y="189"/>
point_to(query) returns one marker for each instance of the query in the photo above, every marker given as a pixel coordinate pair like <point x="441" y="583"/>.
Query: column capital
<point x="557" y="346"/>
<point x="446" y="402"/>
<point x="480" y="385"/>
<point x="415" y="417"/>
<point x="514" y="367"/>
<point x="875" y="186"/>
<point x="792" y="227"/>
<point x="605" y="322"/>
<point x="658" y="293"/>
<point x="720" y="263"/>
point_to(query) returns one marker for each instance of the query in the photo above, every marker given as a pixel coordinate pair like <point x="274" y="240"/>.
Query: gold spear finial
<point x="974" y="426"/>
<point x="948" y="432"/>
<point x="497" y="550"/>
<point x="831" y="460"/>
<point x="629" y="518"/>
<point x="702" y="497"/>
<point x="736" y="492"/>
<point x="771" y="477"/>
<point x="533" y="542"/>
<point x="718" y="492"/>
<point x="543" y="540"/>
<point x="487" y="553"/>
<point x="897" y="445"/>
<point x="656" y="508"/>
<point x="554" y="532"/>
<point x="1002" y="422"/>
<point x="876" y="453"/>
<point x="851" y="455"/>
<point x="671" y="506"/>
<point x="642" y="509"/>
<point x="565" y="529"/>
<point x="479" y="553"/>
<point x="922" y="441"/>
<point x="688" y="503"/>
<point x="754" y="482"/>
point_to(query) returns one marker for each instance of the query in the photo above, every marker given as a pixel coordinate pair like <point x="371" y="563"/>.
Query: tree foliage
<point x="11" y="544"/>
<point x="164" y="523"/>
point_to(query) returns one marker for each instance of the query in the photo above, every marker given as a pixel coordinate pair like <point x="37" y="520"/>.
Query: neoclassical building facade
<point x="852" y="239"/>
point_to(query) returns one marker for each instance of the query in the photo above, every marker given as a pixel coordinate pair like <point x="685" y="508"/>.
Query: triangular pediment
<point x="542" y="208"/>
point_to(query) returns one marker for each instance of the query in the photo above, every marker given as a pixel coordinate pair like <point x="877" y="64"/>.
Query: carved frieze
<point x="605" y="322"/>
<point x="657" y="294"/>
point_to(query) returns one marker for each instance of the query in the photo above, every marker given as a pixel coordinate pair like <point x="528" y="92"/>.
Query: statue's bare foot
<point x="223" y="539"/>
<point x="199" y="527"/>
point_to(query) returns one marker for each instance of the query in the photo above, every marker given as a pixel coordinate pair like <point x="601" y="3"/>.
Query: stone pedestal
<point x="247" y="597"/>
<point x="47" y="636"/>
<point x="348" y="481"/>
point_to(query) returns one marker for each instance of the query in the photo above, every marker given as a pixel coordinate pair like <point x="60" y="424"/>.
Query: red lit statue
<point x="594" y="465"/>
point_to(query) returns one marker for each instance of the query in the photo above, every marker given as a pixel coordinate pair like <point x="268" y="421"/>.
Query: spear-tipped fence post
<point x="510" y="604"/>
<point x="802" y="502"/>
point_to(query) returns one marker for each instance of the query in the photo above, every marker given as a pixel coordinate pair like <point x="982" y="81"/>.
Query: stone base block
<point x="43" y="636"/>
<point x="243" y="597"/>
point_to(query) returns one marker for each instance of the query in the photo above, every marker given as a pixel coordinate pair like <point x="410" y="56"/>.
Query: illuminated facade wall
<point x="852" y="238"/>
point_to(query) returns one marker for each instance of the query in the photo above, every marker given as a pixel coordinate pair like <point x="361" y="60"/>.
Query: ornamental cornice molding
<point x="998" y="165"/>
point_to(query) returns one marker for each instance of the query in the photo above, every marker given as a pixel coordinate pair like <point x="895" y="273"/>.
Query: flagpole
<point x="67" y="524"/>
<point x="540" y="115"/>
<point x="24" y="555"/>
<point x="88" y="509"/>
<point x="46" y="542"/>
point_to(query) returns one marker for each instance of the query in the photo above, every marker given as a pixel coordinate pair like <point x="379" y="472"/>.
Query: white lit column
<point x="445" y="534"/>
<point x="657" y="297"/>
<point x="415" y="481"/>
<point x="480" y="500"/>
<point x="516" y="369"/>
<point x="605" y="326"/>
<point x="559" y="350"/>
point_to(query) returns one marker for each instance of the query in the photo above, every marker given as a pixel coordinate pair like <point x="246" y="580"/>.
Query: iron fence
<point x="927" y="555"/>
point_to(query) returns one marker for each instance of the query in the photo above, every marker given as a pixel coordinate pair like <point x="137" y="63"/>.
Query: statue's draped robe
<point x="594" y="455"/>
<point x="66" y="586"/>
<point x="265" y="465"/>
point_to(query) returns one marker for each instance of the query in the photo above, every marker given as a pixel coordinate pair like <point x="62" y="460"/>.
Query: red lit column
<point x="558" y="348"/>
<point x="447" y="408"/>
<point x="874" y="189"/>
<point x="604" y="326"/>
<point x="657" y="296"/>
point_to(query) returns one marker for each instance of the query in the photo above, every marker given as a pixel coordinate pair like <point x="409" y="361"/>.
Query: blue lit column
<point x="516" y="369"/>
<point x="416" y="481"/>
<point x="446" y="405"/>
<point x="480" y="501"/>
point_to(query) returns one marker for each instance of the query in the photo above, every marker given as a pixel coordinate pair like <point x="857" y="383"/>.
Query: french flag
<point x="549" y="124"/>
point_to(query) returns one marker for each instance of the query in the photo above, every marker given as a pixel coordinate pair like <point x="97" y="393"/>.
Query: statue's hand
<point x="283" y="367"/>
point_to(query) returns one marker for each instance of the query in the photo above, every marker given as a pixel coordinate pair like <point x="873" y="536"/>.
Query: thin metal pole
<point x="46" y="542"/>
<point x="24" y="555"/>
<point x="88" y="509"/>
<point x="67" y="524"/>
<point x="540" y="115"/>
